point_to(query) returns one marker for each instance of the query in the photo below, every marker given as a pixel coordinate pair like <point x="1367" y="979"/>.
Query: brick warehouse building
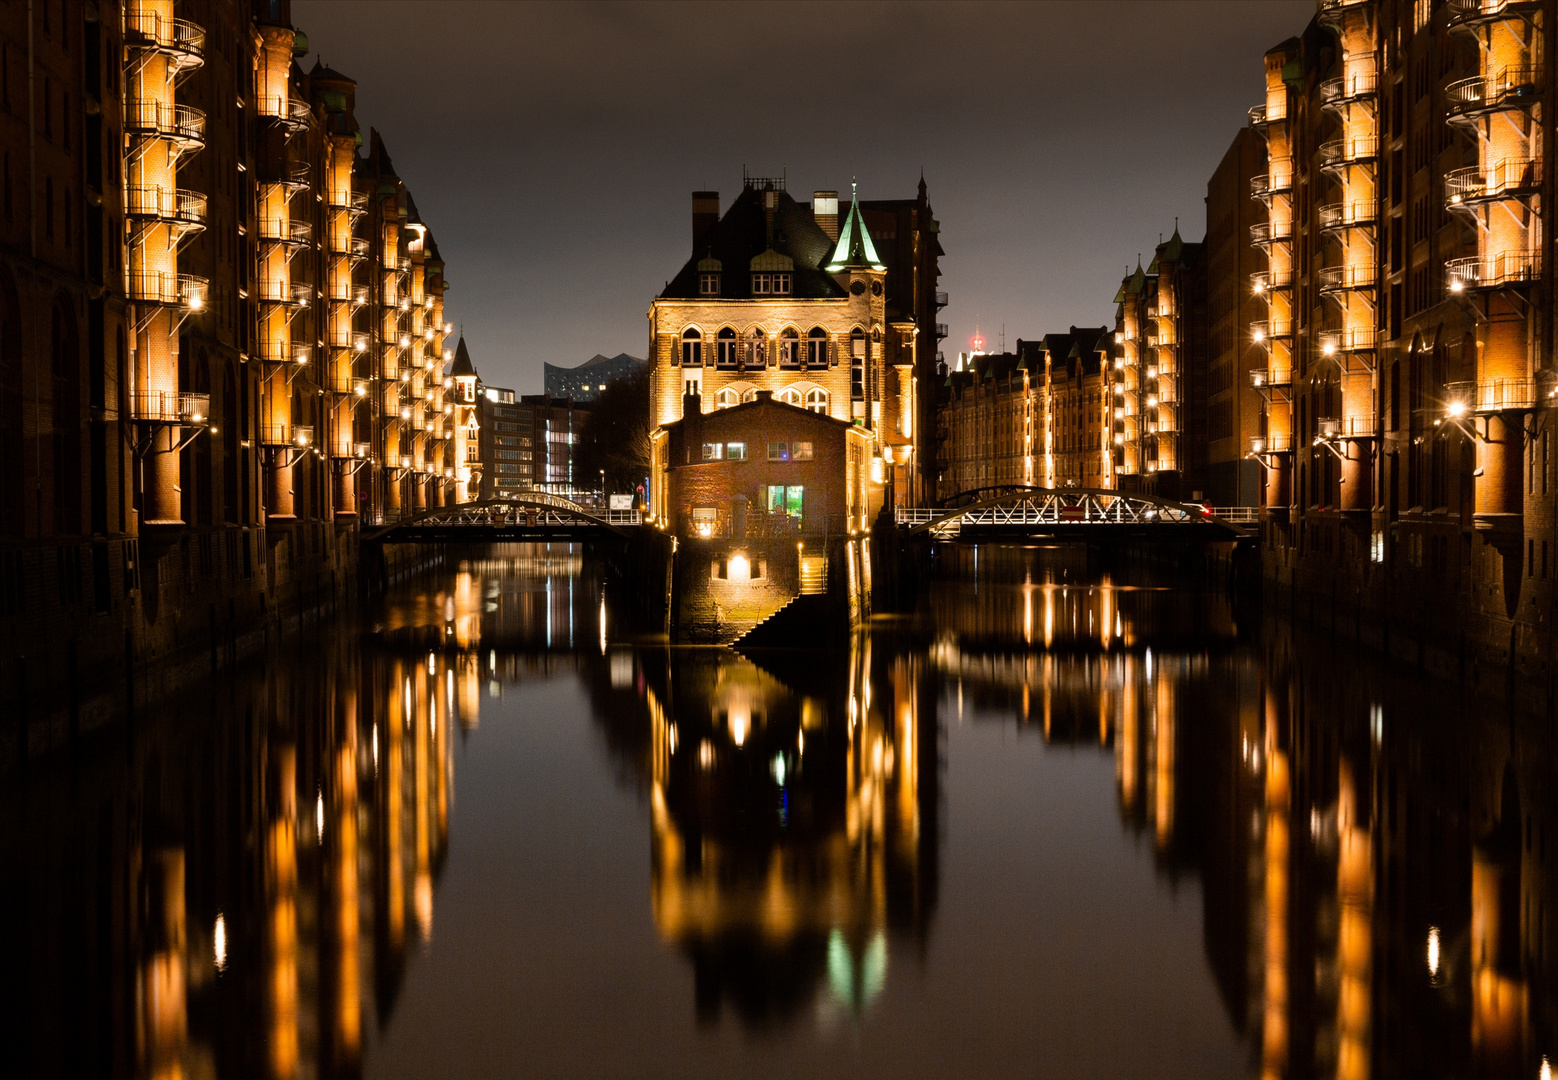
<point x="762" y="468"/>
<point x="221" y="335"/>
<point x="1406" y="453"/>
<point x="1038" y="417"/>
<point x="772" y="502"/>
<point x="779" y="297"/>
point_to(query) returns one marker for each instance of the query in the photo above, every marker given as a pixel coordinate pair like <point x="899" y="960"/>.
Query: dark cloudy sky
<point x="553" y="149"/>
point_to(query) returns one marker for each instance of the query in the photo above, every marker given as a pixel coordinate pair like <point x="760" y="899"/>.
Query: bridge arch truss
<point x="536" y="515"/>
<point x="1079" y="511"/>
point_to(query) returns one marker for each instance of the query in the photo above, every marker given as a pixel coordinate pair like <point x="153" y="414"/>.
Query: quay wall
<point x="1458" y="603"/>
<point x="92" y="629"/>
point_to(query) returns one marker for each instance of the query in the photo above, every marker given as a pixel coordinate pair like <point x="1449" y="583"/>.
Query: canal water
<point x="1063" y="821"/>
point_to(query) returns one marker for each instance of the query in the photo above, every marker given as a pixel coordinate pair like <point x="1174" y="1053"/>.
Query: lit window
<point x="785" y="499"/>
<point x="708" y="284"/>
<point x="725" y="348"/>
<point x="692" y="348"/>
<point x="790" y="396"/>
<point x="713" y="451"/>
<point x="857" y="364"/>
<point x="757" y="355"/>
<point x="726" y="398"/>
<point x="769" y="284"/>
<point x="800" y="451"/>
<point x="789" y="348"/>
<point x="817" y="347"/>
<point x="736" y="451"/>
<point x="817" y="401"/>
<point x="778" y="451"/>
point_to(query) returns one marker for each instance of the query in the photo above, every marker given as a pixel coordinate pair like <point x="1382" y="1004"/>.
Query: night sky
<point x="553" y="149"/>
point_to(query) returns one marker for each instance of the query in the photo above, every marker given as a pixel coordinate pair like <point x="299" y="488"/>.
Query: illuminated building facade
<point x="1405" y="453"/>
<point x="226" y="321"/>
<point x="801" y="303"/>
<point x="529" y="442"/>
<point x="762" y="468"/>
<point x="1160" y="373"/>
<point x="1040" y="416"/>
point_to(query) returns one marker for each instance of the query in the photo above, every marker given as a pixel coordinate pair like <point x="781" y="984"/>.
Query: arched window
<point x="790" y="396"/>
<point x="725" y="355"/>
<point x="817" y="348"/>
<point x="692" y="348"/>
<point x="726" y="398"/>
<point x="750" y="394"/>
<point x="757" y="348"/>
<point x="789" y="348"/>
<point x="817" y="401"/>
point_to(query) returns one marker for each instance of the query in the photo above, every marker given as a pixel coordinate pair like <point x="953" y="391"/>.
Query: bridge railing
<point x="1238" y="515"/>
<point x="1065" y="509"/>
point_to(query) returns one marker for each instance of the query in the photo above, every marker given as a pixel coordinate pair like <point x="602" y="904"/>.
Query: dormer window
<point x="771" y="284"/>
<point x="708" y="276"/>
<point x="771" y="274"/>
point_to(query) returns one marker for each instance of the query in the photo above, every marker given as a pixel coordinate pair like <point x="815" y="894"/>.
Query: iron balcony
<point x="1492" y="395"/>
<point x="1353" y="150"/>
<point x="1346" y="89"/>
<point x="1492" y="271"/>
<point x="1509" y="178"/>
<point x="1331" y="279"/>
<point x="1509" y="89"/>
<point x="170" y="407"/>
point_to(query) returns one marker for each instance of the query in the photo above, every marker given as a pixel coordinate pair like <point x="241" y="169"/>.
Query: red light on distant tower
<point x="978" y="343"/>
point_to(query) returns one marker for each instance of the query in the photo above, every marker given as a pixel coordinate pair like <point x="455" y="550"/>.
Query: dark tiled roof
<point x="742" y="234"/>
<point x="319" y="71"/>
<point x="462" y="360"/>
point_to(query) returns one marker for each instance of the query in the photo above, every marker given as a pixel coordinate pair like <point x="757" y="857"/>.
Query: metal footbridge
<point x="1017" y="513"/>
<point x="520" y="518"/>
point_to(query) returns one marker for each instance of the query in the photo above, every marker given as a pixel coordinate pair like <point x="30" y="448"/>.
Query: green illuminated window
<point x="736" y="451"/>
<point x="785" y="499"/>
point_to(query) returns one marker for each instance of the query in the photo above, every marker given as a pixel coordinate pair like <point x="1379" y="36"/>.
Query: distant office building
<point x="528" y="443"/>
<point x="582" y="383"/>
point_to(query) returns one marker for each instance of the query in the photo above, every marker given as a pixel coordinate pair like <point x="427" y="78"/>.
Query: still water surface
<point x="1054" y="825"/>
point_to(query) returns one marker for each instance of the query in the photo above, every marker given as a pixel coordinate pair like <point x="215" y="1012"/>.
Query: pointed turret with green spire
<point x="854" y="251"/>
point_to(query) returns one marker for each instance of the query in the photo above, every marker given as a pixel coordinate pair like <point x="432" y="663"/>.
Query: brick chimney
<point x="825" y="209"/>
<point x="705" y="215"/>
<point x="692" y="426"/>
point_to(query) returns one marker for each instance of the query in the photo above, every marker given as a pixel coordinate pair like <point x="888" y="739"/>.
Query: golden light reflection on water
<point x="794" y="817"/>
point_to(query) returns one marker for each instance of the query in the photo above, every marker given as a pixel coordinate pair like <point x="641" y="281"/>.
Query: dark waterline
<point x="1064" y="822"/>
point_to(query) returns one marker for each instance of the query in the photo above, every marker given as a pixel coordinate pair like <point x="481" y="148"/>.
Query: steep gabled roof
<point x="462" y="360"/>
<point x="743" y="233"/>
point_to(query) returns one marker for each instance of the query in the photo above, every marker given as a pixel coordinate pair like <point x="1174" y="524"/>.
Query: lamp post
<point x="601" y="493"/>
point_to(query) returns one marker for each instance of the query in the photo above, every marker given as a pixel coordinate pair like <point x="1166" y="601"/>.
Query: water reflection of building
<point x="1373" y="854"/>
<point x="793" y="818"/>
<point x="232" y="896"/>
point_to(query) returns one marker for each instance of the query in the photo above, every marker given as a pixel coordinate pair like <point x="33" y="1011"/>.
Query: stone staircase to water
<point x="800" y="624"/>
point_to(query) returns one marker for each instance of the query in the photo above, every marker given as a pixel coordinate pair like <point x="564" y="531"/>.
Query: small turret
<point x="854" y="250"/>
